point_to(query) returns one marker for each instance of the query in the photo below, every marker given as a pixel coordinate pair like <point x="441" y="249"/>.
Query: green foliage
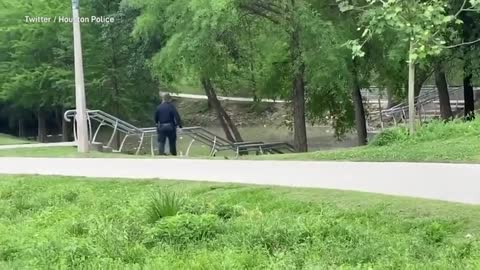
<point x="185" y="229"/>
<point x="36" y="59"/>
<point x="391" y="136"/>
<point x="275" y="228"/>
<point x="164" y="204"/>
<point x="459" y="142"/>
<point x="422" y="28"/>
<point x="433" y="131"/>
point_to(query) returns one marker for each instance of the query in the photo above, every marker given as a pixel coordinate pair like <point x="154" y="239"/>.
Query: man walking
<point x="167" y="120"/>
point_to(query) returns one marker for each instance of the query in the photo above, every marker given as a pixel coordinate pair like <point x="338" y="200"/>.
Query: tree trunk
<point x="42" y="127"/>
<point x="21" y="128"/>
<point x="469" y="97"/>
<point x="443" y="95"/>
<point x="469" y="24"/>
<point x="360" y="121"/>
<point x="231" y="131"/>
<point x="299" y="125"/>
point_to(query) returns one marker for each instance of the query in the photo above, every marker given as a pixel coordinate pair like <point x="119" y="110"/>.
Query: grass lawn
<point x="466" y="149"/>
<point x="54" y="222"/>
<point x="436" y="142"/>
<point x="60" y="152"/>
<point x="7" y="140"/>
<point x="71" y="152"/>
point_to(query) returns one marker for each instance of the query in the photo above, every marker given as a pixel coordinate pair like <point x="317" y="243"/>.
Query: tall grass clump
<point x="164" y="204"/>
<point x="435" y="130"/>
<point x="439" y="130"/>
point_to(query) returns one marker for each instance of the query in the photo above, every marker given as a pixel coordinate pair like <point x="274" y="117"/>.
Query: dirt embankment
<point x="196" y="113"/>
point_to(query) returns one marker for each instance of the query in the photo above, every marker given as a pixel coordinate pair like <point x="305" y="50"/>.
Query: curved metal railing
<point x="399" y="113"/>
<point x="215" y="142"/>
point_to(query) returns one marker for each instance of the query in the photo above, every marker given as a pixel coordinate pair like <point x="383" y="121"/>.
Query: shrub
<point x="391" y="136"/>
<point x="164" y="204"/>
<point x="185" y="229"/>
<point x="225" y="211"/>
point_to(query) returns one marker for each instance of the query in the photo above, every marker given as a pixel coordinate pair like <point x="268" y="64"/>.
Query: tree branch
<point x="259" y="11"/>
<point x="462" y="44"/>
<point x="461" y="8"/>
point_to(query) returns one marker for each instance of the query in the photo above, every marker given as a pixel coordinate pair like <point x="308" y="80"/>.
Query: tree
<point x="198" y="43"/>
<point x="470" y="34"/>
<point x="423" y="26"/>
<point x="286" y="15"/>
<point x="443" y="95"/>
<point x="36" y="75"/>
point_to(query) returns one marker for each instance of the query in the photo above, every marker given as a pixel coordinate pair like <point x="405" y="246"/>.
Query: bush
<point x="391" y="136"/>
<point x="226" y="212"/>
<point x="185" y="229"/>
<point x="164" y="204"/>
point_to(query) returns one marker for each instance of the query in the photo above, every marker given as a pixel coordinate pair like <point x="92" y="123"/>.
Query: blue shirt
<point x="166" y="113"/>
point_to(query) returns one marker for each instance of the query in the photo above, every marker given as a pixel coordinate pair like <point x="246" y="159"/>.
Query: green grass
<point x="8" y="140"/>
<point x="455" y="141"/>
<point x="60" y="152"/>
<point x="71" y="152"/>
<point x="61" y="223"/>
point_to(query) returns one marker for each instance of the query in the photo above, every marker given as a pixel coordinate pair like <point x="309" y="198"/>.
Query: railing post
<point x="188" y="148"/>
<point x="151" y="146"/>
<point x="214" y="144"/>
<point x="89" y="121"/>
<point x="140" y="145"/>
<point x="123" y="142"/>
<point x="74" y="125"/>
<point x="113" y="134"/>
<point x="96" y="132"/>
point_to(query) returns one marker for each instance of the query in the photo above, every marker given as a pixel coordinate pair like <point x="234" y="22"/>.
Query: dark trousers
<point x="167" y="131"/>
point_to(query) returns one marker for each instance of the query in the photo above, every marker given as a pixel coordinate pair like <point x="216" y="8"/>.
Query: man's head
<point x="166" y="97"/>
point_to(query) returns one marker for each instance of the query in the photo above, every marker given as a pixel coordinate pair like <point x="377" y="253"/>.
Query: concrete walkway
<point x="244" y="99"/>
<point x="449" y="182"/>
<point x="238" y="99"/>
<point x="37" y="145"/>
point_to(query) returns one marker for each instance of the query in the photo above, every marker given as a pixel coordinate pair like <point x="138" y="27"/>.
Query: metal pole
<point x="80" y="101"/>
<point x="411" y="90"/>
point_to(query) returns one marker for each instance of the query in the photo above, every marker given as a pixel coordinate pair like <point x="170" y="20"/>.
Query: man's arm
<point x="156" y="116"/>
<point x="178" y="120"/>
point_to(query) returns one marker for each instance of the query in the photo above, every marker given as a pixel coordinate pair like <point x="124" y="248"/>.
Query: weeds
<point x="164" y="204"/>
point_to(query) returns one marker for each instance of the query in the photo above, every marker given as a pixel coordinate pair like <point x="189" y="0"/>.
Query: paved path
<point x="238" y="99"/>
<point x="450" y="182"/>
<point x="37" y="145"/>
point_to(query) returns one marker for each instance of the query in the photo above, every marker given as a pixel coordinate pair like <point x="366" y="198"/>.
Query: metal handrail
<point x="217" y="143"/>
<point x="429" y="95"/>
